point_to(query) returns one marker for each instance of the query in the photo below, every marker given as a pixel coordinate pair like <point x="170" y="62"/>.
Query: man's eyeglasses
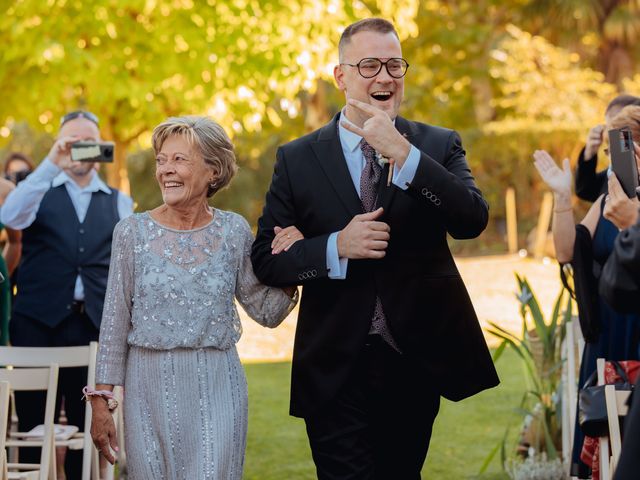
<point x="79" y="113"/>
<point x="370" y="67"/>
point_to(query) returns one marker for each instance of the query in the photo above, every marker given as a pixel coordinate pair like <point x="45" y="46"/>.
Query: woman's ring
<point x="288" y="235"/>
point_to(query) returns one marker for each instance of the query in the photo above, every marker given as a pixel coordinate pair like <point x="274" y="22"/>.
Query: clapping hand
<point x="559" y="181"/>
<point x="380" y="132"/>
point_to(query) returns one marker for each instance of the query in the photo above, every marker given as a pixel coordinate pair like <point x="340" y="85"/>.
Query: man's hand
<point x="285" y="237"/>
<point x="60" y="153"/>
<point x="619" y="209"/>
<point x="380" y="132"/>
<point x="364" y="237"/>
<point x="594" y="140"/>
<point x="103" y="430"/>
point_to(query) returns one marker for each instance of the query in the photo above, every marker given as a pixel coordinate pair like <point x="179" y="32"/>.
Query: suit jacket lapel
<point x="386" y="194"/>
<point x="328" y="151"/>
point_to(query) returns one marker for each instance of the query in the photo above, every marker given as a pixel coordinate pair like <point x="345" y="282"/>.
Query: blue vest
<point x="56" y="248"/>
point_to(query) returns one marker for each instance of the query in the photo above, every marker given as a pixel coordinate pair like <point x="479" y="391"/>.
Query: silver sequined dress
<point x="168" y="334"/>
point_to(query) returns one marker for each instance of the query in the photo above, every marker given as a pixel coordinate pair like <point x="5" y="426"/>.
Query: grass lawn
<point x="464" y="433"/>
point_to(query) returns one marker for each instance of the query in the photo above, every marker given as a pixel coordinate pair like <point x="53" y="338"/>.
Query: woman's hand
<point x="103" y="430"/>
<point x="285" y="237"/>
<point x="619" y="209"/>
<point x="559" y="181"/>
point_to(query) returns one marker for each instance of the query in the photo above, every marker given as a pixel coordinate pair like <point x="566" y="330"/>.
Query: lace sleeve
<point x="116" y="315"/>
<point x="268" y="306"/>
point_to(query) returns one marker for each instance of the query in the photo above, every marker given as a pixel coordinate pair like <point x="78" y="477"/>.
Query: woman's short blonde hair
<point x="210" y="139"/>
<point x="628" y="117"/>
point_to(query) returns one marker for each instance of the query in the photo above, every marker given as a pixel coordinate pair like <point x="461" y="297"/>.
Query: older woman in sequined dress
<point x="170" y="325"/>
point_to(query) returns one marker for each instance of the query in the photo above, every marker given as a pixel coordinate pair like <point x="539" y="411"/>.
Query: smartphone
<point x="623" y="159"/>
<point x="92" y="151"/>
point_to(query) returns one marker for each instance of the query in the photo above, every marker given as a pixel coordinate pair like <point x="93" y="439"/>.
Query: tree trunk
<point x="316" y="113"/>
<point x="615" y="63"/>
<point x="117" y="172"/>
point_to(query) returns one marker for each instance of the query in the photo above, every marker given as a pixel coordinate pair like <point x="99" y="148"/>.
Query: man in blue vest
<point x="67" y="214"/>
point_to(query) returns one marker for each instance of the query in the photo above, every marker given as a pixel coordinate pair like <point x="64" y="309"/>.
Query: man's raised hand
<point x="60" y="153"/>
<point x="364" y="237"/>
<point x="380" y="132"/>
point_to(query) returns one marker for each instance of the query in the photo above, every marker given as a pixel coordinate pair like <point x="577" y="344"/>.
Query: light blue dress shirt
<point x="21" y="205"/>
<point x="350" y="142"/>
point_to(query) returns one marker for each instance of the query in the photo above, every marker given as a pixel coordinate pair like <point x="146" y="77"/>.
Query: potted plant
<point x="539" y="348"/>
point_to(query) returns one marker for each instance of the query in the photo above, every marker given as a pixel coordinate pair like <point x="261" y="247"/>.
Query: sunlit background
<point x="511" y="76"/>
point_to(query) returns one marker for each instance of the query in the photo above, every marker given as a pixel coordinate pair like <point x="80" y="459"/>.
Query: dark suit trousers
<point x="76" y="329"/>
<point x="379" y="425"/>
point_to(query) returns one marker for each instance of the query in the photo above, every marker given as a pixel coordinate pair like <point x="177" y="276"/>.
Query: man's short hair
<point x="378" y="25"/>
<point x="623" y="100"/>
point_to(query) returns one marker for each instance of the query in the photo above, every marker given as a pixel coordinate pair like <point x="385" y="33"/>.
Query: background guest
<point x="8" y="263"/>
<point x="67" y="214"/>
<point x="619" y="333"/>
<point x="589" y="184"/>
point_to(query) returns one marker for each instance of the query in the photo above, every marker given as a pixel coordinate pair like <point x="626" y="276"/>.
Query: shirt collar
<point x="347" y="138"/>
<point x="95" y="185"/>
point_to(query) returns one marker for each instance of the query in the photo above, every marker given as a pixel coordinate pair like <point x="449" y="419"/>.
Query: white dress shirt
<point x="350" y="142"/>
<point x="21" y="205"/>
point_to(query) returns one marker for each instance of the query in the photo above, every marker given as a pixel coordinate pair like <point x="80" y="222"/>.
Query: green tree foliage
<point x="511" y="75"/>
<point x="604" y="32"/>
<point x="136" y="62"/>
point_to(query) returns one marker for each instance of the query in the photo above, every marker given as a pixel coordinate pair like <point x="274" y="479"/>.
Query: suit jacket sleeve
<point x="306" y="259"/>
<point x="620" y="278"/>
<point x="589" y="184"/>
<point x="450" y="189"/>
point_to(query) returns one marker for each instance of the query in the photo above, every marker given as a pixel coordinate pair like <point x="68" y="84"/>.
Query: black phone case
<point x="623" y="160"/>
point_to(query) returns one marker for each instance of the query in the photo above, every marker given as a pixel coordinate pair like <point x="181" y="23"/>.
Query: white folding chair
<point x="78" y="356"/>
<point x="34" y="379"/>
<point x="616" y="401"/>
<point x="605" y="471"/>
<point x="611" y="445"/>
<point x="4" y="417"/>
<point x="572" y="348"/>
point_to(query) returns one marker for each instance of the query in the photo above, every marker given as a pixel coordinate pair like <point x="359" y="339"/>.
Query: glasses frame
<point x="382" y="64"/>
<point x="77" y="114"/>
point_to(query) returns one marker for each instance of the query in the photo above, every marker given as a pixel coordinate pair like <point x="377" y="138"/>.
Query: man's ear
<point x="338" y="74"/>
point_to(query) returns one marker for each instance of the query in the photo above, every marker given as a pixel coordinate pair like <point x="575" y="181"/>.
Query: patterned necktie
<point x="369" y="179"/>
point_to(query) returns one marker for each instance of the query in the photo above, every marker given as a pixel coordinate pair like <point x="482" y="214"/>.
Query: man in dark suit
<point x="385" y="325"/>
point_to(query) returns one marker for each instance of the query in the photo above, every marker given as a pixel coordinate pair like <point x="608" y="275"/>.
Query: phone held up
<point x="92" y="152"/>
<point x="623" y="159"/>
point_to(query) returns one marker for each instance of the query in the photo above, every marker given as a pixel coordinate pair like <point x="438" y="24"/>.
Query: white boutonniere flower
<point x="382" y="160"/>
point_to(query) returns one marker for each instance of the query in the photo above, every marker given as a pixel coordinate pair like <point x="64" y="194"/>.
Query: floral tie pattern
<point x="369" y="179"/>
